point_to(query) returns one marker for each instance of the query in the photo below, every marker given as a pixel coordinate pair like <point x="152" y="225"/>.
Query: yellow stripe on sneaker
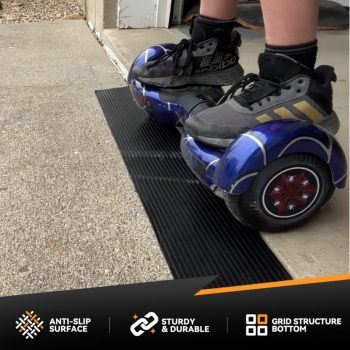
<point x="285" y="113"/>
<point x="311" y="112"/>
<point x="263" y="118"/>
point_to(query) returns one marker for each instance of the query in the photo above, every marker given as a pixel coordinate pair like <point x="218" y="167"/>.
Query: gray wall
<point x="102" y="14"/>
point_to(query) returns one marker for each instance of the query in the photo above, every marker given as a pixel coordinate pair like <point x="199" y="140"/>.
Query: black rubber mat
<point x="196" y="233"/>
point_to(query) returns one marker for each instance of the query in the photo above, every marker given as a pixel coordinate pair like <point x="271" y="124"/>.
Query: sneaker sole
<point x="215" y="143"/>
<point x="218" y="78"/>
<point x="330" y="123"/>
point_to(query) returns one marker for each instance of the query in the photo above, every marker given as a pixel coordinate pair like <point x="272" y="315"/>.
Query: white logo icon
<point x="29" y="325"/>
<point x="143" y="324"/>
<point x="256" y="325"/>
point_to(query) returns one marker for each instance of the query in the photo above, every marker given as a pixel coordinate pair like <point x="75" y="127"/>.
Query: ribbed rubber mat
<point x="197" y="234"/>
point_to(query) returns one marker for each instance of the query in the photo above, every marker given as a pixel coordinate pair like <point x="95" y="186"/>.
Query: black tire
<point x="262" y="207"/>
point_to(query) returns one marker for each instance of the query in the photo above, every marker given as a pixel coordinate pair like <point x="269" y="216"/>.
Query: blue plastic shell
<point x="201" y="160"/>
<point x="148" y="55"/>
<point x="252" y="151"/>
<point x="147" y="97"/>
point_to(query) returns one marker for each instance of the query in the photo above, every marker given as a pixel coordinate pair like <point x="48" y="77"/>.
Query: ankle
<point x="304" y="53"/>
<point x="204" y="28"/>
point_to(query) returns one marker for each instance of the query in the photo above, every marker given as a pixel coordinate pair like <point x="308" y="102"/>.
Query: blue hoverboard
<point x="272" y="177"/>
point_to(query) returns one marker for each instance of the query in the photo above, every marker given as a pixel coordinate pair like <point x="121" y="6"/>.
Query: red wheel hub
<point x="291" y="192"/>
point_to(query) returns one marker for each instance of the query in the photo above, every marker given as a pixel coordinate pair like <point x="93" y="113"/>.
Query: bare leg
<point x="218" y="9"/>
<point x="290" y="22"/>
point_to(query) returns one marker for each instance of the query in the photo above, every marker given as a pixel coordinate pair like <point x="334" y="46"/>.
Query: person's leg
<point x="215" y="19"/>
<point x="290" y="22"/>
<point x="288" y="85"/>
<point x="218" y="9"/>
<point x="291" y="29"/>
<point x="210" y="57"/>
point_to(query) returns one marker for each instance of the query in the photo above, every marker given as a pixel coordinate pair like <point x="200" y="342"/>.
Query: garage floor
<point x="69" y="215"/>
<point x="320" y="247"/>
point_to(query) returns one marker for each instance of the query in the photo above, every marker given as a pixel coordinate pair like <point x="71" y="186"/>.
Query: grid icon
<point x="256" y="325"/>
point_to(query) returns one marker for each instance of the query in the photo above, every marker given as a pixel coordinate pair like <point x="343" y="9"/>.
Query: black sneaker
<point x="212" y="59"/>
<point x="285" y="89"/>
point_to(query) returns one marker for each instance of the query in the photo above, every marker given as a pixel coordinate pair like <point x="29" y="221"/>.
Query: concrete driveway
<point x="69" y="215"/>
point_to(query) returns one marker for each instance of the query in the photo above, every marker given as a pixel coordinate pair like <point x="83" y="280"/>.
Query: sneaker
<point x="211" y="60"/>
<point x="284" y="89"/>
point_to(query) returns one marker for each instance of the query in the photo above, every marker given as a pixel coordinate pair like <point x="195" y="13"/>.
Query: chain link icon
<point x="144" y="324"/>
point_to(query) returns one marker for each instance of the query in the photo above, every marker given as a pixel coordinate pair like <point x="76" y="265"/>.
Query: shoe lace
<point x="176" y="53"/>
<point x="253" y="89"/>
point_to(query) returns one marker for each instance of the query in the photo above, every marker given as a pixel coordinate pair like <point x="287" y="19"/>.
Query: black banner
<point x="171" y="311"/>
